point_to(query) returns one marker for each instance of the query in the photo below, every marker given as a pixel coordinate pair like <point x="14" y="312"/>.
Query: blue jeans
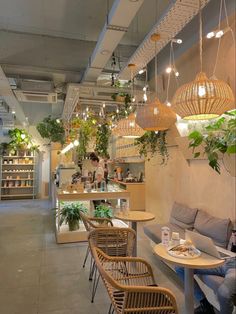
<point x="225" y="291"/>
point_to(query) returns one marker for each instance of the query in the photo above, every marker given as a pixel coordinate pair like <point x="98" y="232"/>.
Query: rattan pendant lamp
<point x="128" y="127"/>
<point x="155" y="116"/>
<point x="202" y="98"/>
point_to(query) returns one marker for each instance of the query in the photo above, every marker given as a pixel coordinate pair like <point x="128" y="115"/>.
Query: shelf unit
<point x="18" y="176"/>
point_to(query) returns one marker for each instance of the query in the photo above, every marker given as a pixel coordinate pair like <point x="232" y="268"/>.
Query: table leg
<point x="188" y="291"/>
<point x="134" y="227"/>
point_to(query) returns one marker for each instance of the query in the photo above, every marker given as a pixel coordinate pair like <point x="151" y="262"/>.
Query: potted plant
<point x="217" y="140"/>
<point x="152" y="143"/>
<point x="20" y="140"/>
<point x="52" y="129"/>
<point x="103" y="211"/>
<point x="70" y="214"/>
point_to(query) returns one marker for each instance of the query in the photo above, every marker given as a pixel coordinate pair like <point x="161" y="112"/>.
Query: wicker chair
<point x="91" y="223"/>
<point x="114" y="242"/>
<point x="131" y="286"/>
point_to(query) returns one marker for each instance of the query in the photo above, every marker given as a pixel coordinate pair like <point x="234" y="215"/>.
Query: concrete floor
<point x="37" y="276"/>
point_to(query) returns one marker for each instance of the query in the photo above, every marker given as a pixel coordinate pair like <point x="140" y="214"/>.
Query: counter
<point x="63" y="235"/>
<point x="137" y="193"/>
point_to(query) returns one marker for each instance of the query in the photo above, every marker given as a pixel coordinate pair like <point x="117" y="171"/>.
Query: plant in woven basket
<point x="217" y="139"/>
<point x="70" y="214"/>
<point x="102" y="211"/>
<point x="52" y="129"/>
<point x="152" y="143"/>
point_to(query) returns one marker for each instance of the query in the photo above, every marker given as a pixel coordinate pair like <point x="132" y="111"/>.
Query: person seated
<point x="225" y="292"/>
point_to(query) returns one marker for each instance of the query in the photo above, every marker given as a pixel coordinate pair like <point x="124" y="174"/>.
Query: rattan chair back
<point x="131" y="287"/>
<point x="113" y="241"/>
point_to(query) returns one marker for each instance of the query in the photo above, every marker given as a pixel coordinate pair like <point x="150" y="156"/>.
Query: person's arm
<point x="99" y="174"/>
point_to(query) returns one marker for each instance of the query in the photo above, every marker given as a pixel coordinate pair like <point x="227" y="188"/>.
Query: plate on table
<point x="183" y="251"/>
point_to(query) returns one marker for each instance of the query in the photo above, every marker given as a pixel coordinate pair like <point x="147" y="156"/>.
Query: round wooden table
<point x="134" y="217"/>
<point x="204" y="261"/>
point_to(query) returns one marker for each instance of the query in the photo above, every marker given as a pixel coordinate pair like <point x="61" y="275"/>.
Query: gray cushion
<point x="153" y="231"/>
<point x="216" y="228"/>
<point x="183" y="216"/>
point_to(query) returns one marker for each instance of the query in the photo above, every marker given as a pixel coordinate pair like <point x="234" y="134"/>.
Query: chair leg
<point x="110" y="309"/>
<point x="86" y="256"/>
<point x="91" y="269"/>
<point x="95" y="283"/>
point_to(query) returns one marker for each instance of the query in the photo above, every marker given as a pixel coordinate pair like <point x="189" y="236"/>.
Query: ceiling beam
<point x="118" y="21"/>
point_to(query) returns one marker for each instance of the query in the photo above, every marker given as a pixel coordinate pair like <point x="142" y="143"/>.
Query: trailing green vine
<point x="216" y="139"/>
<point x="102" y="140"/>
<point x="153" y="143"/>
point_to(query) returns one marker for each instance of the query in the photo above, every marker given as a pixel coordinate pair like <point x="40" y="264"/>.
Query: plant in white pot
<point x="70" y="214"/>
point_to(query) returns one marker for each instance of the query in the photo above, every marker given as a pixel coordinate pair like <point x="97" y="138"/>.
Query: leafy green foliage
<point x="102" y="211"/>
<point x="20" y="139"/>
<point x="152" y="142"/>
<point x="70" y="212"/>
<point x="52" y="129"/>
<point x="102" y="140"/>
<point x="217" y="138"/>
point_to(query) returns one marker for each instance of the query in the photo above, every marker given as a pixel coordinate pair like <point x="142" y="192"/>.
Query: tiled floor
<point x="39" y="276"/>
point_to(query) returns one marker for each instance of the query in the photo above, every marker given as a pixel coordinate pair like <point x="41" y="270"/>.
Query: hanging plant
<point x="52" y="129"/>
<point x="20" y="139"/>
<point x="216" y="139"/>
<point x="153" y="143"/>
<point x="102" y="140"/>
<point x="86" y="132"/>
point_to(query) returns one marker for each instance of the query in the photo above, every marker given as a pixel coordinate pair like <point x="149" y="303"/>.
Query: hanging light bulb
<point x="141" y="71"/>
<point x="201" y="91"/>
<point x="117" y="110"/>
<point x="133" y="99"/>
<point x="145" y="88"/>
<point x="100" y="113"/>
<point x="77" y="115"/>
<point x="23" y="136"/>
<point x="168" y="69"/>
<point x="84" y="114"/>
<point x="104" y="105"/>
<point x="58" y="120"/>
<point x="210" y="35"/>
<point x="87" y="109"/>
<point x="144" y="97"/>
<point x="130" y="107"/>
<point x="168" y="104"/>
<point x="76" y="143"/>
<point x="176" y="73"/>
<point x="219" y="33"/>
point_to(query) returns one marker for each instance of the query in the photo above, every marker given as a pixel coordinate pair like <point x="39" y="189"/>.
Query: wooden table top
<point x="135" y="216"/>
<point x="203" y="261"/>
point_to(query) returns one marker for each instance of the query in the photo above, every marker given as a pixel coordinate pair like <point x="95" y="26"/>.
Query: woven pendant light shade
<point x="155" y="116"/>
<point x="128" y="128"/>
<point x="203" y="98"/>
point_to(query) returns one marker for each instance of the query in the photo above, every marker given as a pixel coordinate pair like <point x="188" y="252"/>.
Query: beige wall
<point x="194" y="183"/>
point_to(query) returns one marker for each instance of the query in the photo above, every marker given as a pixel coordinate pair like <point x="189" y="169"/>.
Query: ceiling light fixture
<point x="128" y="128"/>
<point x="155" y="116"/>
<point x="203" y="98"/>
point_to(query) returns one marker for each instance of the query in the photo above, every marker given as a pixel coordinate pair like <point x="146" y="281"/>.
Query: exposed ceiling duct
<point x="91" y="95"/>
<point x="118" y="20"/>
<point x="171" y="22"/>
<point x="7" y="94"/>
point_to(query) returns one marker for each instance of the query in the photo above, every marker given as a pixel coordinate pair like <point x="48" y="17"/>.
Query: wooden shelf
<point x="18" y="157"/>
<point x="18" y="164"/>
<point x="16" y="195"/>
<point x="18" y="187"/>
<point x="21" y="179"/>
<point x="25" y="171"/>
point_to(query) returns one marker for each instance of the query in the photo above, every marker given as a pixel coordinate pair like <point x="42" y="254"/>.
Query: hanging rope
<point x="156" y="68"/>
<point x="200" y="33"/>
